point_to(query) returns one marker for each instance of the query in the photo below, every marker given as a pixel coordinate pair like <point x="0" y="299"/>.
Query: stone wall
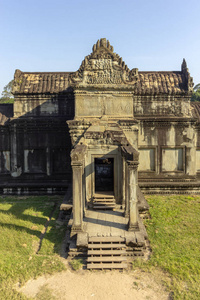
<point x="168" y="148"/>
<point x="35" y="146"/>
<point x="152" y="109"/>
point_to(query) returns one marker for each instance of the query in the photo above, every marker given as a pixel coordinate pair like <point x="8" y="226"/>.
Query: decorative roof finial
<point x="103" y="42"/>
<point x="184" y="65"/>
<point x="186" y="73"/>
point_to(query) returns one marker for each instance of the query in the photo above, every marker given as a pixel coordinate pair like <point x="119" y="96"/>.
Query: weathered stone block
<point x="82" y="239"/>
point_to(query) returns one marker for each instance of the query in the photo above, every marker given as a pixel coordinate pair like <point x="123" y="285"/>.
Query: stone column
<point x="123" y="183"/>
<point x="48" y="161"/>
<point x="16" y="170"/>
<point x="77" y="168"/>
<point x="126" y="192"/>
<point x="83" y="190"/>
<point x="132" y="186"/>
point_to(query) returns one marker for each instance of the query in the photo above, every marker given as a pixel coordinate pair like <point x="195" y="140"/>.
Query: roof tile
<point x="54" y="82"/>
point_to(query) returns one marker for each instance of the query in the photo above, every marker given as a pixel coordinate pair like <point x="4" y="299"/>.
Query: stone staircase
<point x="106" y="253"/>
<point x="103" y="202"/>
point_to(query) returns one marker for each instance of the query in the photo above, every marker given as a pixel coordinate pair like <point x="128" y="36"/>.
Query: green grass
<point x="76" y="264"/>
<point x="174" y="234"/>
<point x="22" y="222"/>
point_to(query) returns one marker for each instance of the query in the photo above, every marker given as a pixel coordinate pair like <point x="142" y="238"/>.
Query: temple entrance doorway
<point x="104" y="175"/>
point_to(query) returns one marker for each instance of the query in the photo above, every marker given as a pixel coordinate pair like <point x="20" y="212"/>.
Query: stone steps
<point x="103" y="207"/>
<point x="106" y="253"/>
<point x="103" y="266"/>
<point x="102" y="202"/>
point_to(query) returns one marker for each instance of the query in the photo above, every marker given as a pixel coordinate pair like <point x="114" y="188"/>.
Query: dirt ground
<point x="100" y="285"/>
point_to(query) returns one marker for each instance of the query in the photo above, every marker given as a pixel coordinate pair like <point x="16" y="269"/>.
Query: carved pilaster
<point x="124" y="183"/>
<point x="77" y="162"/>
<point x="126" y="192"/>
<point x="132" y="185"/>
<point x="16" y="169"/>
<point x="77" y="168"/>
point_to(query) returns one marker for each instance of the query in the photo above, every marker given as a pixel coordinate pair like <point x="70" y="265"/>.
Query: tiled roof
<point x="148" y="83"/>
<point x="161" y="83"/>
<point x="40" y="82"/>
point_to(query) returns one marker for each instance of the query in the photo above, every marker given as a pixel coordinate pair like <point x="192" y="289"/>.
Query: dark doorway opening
<point x="104" y="174"/>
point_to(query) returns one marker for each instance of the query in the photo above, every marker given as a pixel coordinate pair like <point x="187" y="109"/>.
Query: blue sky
<point x="46" y="35"/>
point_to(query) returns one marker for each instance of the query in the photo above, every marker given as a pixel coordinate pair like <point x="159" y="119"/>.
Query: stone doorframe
<point x="130" y="164"/>
<point x="115" y="171"/>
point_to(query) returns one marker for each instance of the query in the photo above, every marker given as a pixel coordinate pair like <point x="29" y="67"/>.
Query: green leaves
<point x="196" y="93"/>
<point x="7" y="96"/>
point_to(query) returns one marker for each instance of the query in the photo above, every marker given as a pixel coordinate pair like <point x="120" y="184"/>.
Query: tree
<point x="196" y="93"/>
<point x="7" y="96"/>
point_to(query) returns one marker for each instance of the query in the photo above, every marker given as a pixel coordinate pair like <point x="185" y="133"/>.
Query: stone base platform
<point x="108" y="224"/>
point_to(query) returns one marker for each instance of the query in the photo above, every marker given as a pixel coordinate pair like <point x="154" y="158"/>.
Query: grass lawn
<point x="174" y="233"/>
<point x="22" y="223"/>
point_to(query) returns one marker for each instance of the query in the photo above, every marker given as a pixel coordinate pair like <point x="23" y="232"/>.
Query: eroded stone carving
<point x="103" y="66"/>
<point x="185" y="71"/>
<point x="106" y="138"/>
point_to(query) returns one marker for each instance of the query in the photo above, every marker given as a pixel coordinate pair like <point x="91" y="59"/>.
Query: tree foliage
<point x="196" y="93"/>
<point x="7" y="96"/>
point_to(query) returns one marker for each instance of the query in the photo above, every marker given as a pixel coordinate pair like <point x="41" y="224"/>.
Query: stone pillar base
<point x="133" y="227"/>
<point x="76" y="229"/>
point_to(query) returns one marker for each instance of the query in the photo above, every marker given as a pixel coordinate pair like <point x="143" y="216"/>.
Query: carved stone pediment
<point x="104" y="67"/>
<point x="107" y="137"/>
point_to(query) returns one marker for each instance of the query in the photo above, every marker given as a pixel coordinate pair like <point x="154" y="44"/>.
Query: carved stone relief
<point x="103" y="71"/>
<point x="103" y="66"/>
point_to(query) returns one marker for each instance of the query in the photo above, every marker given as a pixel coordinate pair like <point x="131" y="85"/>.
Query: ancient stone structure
<point x="112" y="113"/>
<point x="108" y="127"/>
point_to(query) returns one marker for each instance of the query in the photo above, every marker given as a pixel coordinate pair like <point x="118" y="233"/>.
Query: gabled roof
<point x="148" y="83"/>
<point x="141" y="83"/>
<point x="156" y="83"/>
<point x="40" y="82"/>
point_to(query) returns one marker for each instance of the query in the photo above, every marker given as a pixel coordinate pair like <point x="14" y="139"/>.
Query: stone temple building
<point x="109" y="128"/>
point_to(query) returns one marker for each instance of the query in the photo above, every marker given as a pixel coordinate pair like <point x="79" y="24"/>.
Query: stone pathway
<point x="105" y="223"/>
